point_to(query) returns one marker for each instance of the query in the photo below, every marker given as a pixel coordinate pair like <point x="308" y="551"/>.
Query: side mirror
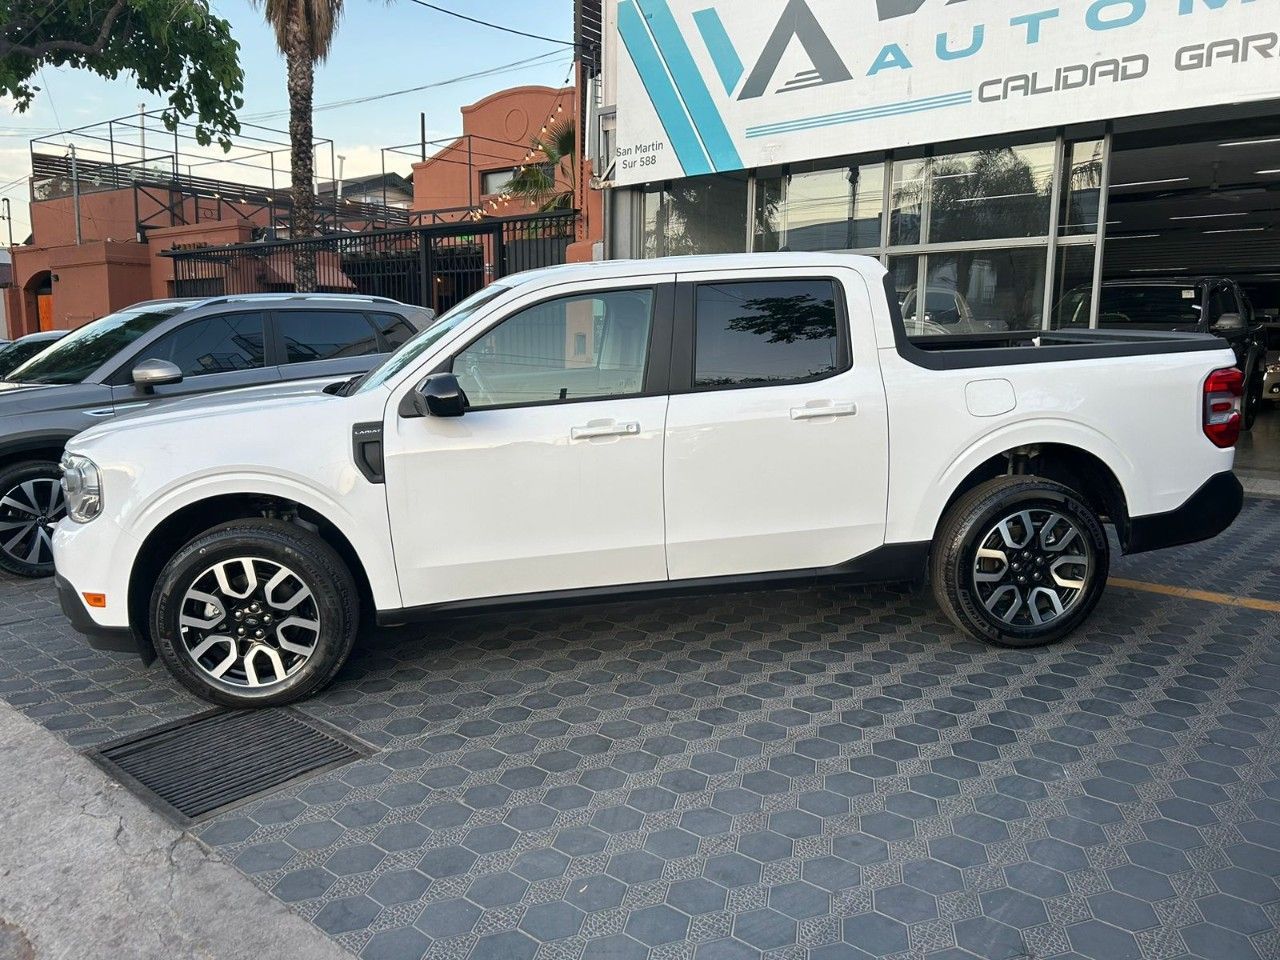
<point x="1229" y="323"/>
<point x="150" y="374"/>
<point x="440" y="395"/>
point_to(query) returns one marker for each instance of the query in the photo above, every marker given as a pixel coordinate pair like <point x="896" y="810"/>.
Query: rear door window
<point x="395" y="330"/>
<point x="218" y="344"/>
<point x="307" y="335"/>
<point x="766" y="332"/>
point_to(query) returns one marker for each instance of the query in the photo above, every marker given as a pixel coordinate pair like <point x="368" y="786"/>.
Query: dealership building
<point x="1011" y="162"/>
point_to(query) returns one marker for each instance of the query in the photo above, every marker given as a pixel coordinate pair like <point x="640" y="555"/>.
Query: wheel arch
<point x="1090" y="468"/>
<point x="36" y="446"/>
<point x="197" y="516"/>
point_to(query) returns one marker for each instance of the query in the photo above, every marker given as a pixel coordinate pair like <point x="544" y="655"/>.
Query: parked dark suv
<point x="17" y="352"/>
<point x="1214" y="305"/>
<point x="156" y="351"/>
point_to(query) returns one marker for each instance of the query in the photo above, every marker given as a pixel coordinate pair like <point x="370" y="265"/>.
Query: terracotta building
<point x="76" y="269"/>
<point x="472" y="172"/>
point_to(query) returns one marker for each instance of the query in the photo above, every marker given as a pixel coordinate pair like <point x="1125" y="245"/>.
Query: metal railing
<point x="434" y="265"/>
<point x="164" y="196"/>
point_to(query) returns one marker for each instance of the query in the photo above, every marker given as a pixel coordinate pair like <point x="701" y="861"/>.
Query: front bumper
<point x="120" y="639"/>
<point x="97" y="557"/>
<point x="1204" y="515"/>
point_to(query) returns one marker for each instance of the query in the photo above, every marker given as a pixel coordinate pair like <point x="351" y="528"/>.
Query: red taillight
<point x="1223" y="390"/>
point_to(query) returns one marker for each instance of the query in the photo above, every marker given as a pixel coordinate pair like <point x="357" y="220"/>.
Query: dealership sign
<point x="715" y="85"/>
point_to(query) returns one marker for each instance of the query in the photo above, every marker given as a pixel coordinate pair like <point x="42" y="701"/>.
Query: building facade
<point x="1010" y="162"/>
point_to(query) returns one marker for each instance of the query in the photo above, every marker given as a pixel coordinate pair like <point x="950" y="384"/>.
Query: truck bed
<point x="1045" y="346"/>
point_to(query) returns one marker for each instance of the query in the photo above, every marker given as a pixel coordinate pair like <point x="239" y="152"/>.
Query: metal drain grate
<point x="204" y="764"/>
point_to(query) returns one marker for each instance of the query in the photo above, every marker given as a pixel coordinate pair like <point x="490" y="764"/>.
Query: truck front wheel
<point x="1020" y="561"/>
<point x="255" y="613"/>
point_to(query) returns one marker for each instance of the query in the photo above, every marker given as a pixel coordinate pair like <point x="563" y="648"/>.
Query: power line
<point x="492" y="26"/>
<point x="539" y="60"/>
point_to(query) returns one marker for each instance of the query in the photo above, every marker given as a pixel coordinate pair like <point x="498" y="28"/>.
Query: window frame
<point x="684" y="346"/>
<point x="122" y="376"/>
<point x="281" y="351"/>
<point x="657" y="357"/>
<point x="385" y="345"/>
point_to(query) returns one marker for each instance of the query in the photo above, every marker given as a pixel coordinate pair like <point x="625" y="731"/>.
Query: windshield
<point x="1150" y="305"/>
<point x="423" y="341"/>
<point x="84" y="350"/>
<point x="20" y="351"/>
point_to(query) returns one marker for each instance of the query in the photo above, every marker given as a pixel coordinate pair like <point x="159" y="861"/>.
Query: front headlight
<point x="82" y="487"/>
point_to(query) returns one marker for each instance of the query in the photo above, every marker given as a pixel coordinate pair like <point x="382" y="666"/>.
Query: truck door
<point x="552" y="480"/>
<point x="777" y="430"/>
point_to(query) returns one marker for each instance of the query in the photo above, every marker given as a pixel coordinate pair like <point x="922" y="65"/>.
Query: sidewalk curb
<point x="87" y="871"/>
<point x="1260" y="486"/>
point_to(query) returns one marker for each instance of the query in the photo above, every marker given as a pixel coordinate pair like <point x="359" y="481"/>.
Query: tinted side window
<point x="395" y="330"/>
<point x="573" y="348"/>
<point x="219" y="344"/>
<point x="760" y="332"/>
<point x="324" y="335"/>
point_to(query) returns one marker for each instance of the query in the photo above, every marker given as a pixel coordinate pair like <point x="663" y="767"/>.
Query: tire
<point x="1252" y="399"/>
<point x="285" y="647"/>
<point x="31" y="502"/>
<point x="986" y="608"/>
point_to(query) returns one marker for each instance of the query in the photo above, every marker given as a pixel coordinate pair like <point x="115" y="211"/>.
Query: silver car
<point x="160" y="350"/>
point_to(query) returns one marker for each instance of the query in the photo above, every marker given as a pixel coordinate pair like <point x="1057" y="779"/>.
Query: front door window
<point x="591" y="346"/>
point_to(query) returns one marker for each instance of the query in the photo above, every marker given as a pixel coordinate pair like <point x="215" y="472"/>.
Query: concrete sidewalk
<point x="87" y="871"/>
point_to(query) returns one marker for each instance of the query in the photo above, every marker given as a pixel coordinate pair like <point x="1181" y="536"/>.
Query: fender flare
<point x="14" y="445"/>
<point x="376" y="557"/>
<point x="1042" y="430"/>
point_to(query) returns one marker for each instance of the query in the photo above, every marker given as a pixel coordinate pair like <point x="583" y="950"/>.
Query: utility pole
<point x="422" y="136"/>
<point x="8" y="217"/>
<point x="341" y="162"/>
<point x="142" y="136"/>
<point x="75" y="191"/>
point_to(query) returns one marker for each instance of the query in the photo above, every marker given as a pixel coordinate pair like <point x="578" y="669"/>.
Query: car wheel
<point x="1019" y="561"/>
<point x="1252" y="400"/>
<point x="256" y="613"/>
<point x="31" y="502"/>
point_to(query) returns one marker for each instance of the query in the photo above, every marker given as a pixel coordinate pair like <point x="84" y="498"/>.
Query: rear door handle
<point x="813" y="412"/>
<point x="604" y="428"/>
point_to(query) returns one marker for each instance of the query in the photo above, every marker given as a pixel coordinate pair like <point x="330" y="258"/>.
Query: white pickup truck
<point x="630" y="428"/>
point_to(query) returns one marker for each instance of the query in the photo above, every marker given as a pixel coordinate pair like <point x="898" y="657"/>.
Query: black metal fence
<point x="433" y="265"/>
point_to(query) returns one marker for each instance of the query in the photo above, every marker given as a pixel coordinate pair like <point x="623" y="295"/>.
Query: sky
<point x="379" y="47"/>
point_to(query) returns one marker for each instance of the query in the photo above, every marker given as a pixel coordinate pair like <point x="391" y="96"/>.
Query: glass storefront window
<point x="1082" y="182"/>
<point x="1072" y="287"/>
<point x="966" y="240"/>
<point x="905" y="272"/>
<point x="698" y="215"/>
<point x="983" y="291"/>
<point x="991" y="194"/>
<point x="837" y="209"/>
<point x="906" y="199"/>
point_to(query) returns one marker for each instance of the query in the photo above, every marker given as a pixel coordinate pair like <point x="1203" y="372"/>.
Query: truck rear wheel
<point x="1019" y="561"/>
<point x="256" y="613"/>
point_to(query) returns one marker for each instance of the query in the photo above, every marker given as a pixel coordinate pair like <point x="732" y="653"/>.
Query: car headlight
<point x="82" y="487"/>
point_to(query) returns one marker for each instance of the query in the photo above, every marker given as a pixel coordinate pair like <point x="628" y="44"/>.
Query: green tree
<point x="173" y="48"/>
<point x="304" y="32"/>
<point x="552" y="182"/>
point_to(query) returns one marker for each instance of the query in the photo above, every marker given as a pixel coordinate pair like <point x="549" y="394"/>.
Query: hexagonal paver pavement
<point x="820" y="774"/>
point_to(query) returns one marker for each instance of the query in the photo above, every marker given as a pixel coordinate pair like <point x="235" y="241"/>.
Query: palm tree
<point x="304" y="30"/>
<point x="549" y="183"/>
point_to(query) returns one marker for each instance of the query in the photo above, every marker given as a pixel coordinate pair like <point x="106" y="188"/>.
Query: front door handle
<point x="813" y="412"/>
<point x="604" y="428"/>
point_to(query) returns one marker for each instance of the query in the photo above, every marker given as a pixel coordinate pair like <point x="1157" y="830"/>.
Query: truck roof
<point x="596" y="269"/>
